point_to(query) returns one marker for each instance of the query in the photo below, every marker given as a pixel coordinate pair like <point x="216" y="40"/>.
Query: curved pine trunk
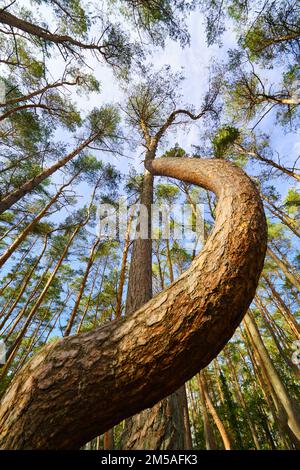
<point x="85" y="384"/>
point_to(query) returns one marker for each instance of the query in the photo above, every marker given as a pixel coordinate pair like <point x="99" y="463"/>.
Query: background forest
<point x="88" y="91"/>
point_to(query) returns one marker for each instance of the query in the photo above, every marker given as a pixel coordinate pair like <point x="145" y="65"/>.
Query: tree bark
<point x="85" y="384"/>
<point x="210" y="442"/>
<point x="203" y="385"/>
<point x="156" y="428"/>
<point x="291" y="409"/>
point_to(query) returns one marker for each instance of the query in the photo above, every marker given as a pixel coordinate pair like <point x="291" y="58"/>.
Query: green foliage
<point x="104" y="122"/>
<point x="167" y="193"/>
<point x="292" y="201"/>
<point x="223" y="140"/>
<point x="176" y="151"/>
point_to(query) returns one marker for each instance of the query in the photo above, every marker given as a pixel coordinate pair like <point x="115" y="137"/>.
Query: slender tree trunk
<point x="108" y="440"/>
<point x="153" y="427"/>
<point x="264" y="420"/>
<point x="123" y="267"/>
<point x="285" y="219"/>
<point x="282" y="265"/>
<point x="290" y="407"/>
<point x="22" y="236"/>
<point x="86" y="308"/>
<point x="289" y="317"/>
<point x="217" y="379"/>
<point x="268" y="322"/>
<point x="15" y="346"/>
<point x="241" y="399"/>
<point x="18" y="266"/>
<point x="184" y="409"/>
<point x="99" y="291"/>
<point x="183" y="403"/>
<point x="24" y="285"/>
<point x="210" y="442"/>
<point x="82" y="287"/>
<point x="224" y="436"/>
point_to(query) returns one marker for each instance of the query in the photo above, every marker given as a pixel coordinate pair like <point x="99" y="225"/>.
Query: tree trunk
<point x="285" y="219"/>
<point x="123" y="268"/>
<point x="16" y="243"/>
<point x="210" y="442"/>
<point x="289" y="317"/>
<point x="290" y="408"/>
<point x="82" y="287"/>
<point x="85" y="384"/>
<point x="288" y="274"/>
<point x="270" y="324"/>
<point x="159" y="427"/>
<point x="24" y="285"/>
<point x="203" y="385"/>
<point x="153" y="427"/>
<point x="34" y="182"/>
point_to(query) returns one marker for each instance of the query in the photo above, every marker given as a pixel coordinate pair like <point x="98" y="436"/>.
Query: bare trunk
<point x="290" y="408"/>
<point x="224" y="436"/>
<point x="82" y="287"/>
<point x="210" y="442"/>
<point x="24" y="285"/>
<point x="123" y="268"/>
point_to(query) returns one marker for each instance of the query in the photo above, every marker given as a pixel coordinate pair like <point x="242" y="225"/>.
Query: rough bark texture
<point x="157" y="428"/>
<point x="81" y="386"/>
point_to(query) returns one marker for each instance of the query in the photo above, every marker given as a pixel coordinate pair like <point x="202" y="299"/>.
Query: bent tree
<point x="83" y="385"/>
